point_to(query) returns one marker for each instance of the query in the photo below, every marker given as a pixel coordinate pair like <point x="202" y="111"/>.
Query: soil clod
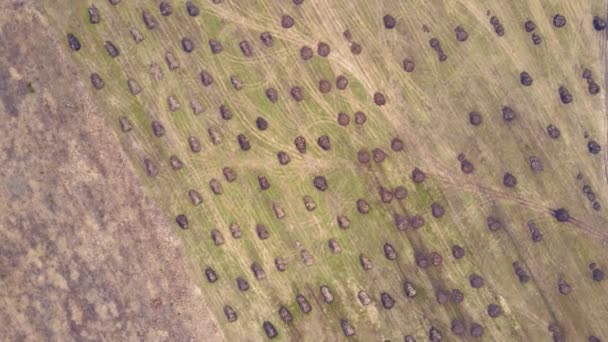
<point x="360" y="118"/>
<point x="324" y="86"/>
<point x="182" y="221"/>
<point x="343" y="119"/>
<point x="230" y="314"/>
<point x="285" y="315"/>
<point x="525" y="79"/>
<point x="334" y="247"/>
<point x="320" y="183"/>
<point x="175" y="162"/>
<point x="266" y="39"/>
<point x="242" y="284"/>
<point x="287" y="21"/>
<point x="258" y="271"/>
<point x="561" y="214"/>
<point x="364" y="298"/>
<point x="494" y="310"/>
<point x="300" y="143"/>
<point x="389" y="251"/>
<point x="235" y="230"/>
<point x="389" y="21"/>
<point x="229" y="174"/>
<point x="365" y="262"/>
<point x="309" y="203"/>
<point x="73" y="42"/>
<point x="387" y="301"/>
<point x="97" y="81"/>
<point x="593" y="147"/>
<point x="458" y="252"/>
<point x="418" y="176"/>
<point x="323" y="49"/>
<point x="192" y="9"/>
<point x="379" y="99"/>
<point x="458" y="327"/>
<point x="341" y="82"/>
<point x="217" y="237"/>
<point x="435" y="335"/>
<point x="347" y="328"/>
<point x="559" y="21"/>
<point x="211" y="275"/>
<point x="243" y="142"/>
<point x="476" y="330"/>
<point x="195" y="144"/>
<point x="94" y="17"/>
<point x="476" y="281"/>
<point x="508" y="114"/>
<point x="529" y="26"/>
<point x="246" y="48"/>
<point x="262" y="232"/>
<point x="272" y="95"/>
<point x="599" y="24"/>
<point x="216" y="186"/>
<point x="400" y="193"/>
<point x="520" y="273"/>
<point x="509" y="180"/>
<point x="148" y="19"/>
<point x="457" y="296"/>
<point x="535" y="233"/>
<point x="165" y="9"/>
<point x="195" y="197"/>
<point x="270" y="330"/>
<point x="565" y="95"/>
<point x="280" y="264"/>
<point x="553" y="131"/>
<point x="173" y="104"/>
<point x="461" y="34"/>
<point x="409" y="289"/>
<point x="343" y="221"/>
<point x="125" y="124"/>
<point x="283" y="158"/>
<point x="206" y="78"/>
<point x="304" y="305"/>
<point x="215" y="46"/>
<point x="328" y="297"/>
<point x="409" y="65"/>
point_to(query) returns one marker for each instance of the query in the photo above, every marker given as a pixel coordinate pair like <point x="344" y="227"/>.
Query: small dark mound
<point x="475" y="118"/>
<point x="320" y="183"/>
<point x="408" y="65"/>
<point x="599" y="24"/>
<point x="553" y="131"/>
<point x="341" y="82"/>
<point x="360" y="118"/>
<point x="389" y="21"/>
<point x="494" y="310"/>
<point x="559" y="21"/>
<point x="561" y="214"/>
<point x="529" y="26"/>
<point x="306" y="53"/>
<point x="593" y="147"/>
<point x="323" y="49"/>
<point x="525" y="79"/>
<point x="379" y="99"/>
<point x="461" y="34"/>
<point x="287" y="21"/>
<point x="73" y="42"/>
<point x="397" y="145"/>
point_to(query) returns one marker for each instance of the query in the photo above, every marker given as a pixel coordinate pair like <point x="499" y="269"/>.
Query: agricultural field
<point x="306" y="170"/>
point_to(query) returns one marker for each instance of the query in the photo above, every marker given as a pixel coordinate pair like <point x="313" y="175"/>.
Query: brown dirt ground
<point x="77" y="230"/>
